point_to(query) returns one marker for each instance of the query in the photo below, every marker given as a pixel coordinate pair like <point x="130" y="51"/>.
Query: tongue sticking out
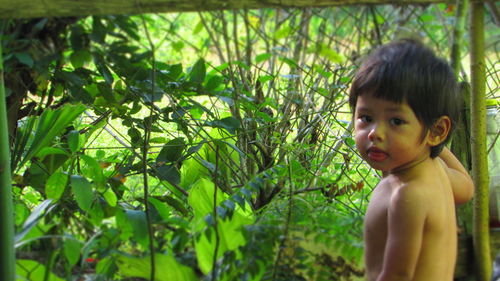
<point x="377" y="155"/>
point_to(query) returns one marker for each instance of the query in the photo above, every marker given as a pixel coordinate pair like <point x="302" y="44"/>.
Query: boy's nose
<point x="375" y="133"/>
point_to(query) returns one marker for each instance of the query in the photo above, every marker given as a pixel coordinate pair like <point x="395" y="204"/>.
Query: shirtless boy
<point x="405" y="103"/>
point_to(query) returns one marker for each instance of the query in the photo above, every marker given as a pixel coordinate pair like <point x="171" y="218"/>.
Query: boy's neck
<point x="409" y="167"/>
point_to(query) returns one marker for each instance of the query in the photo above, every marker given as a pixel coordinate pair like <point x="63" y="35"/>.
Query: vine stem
<point x="147" y="136"/>
<point x="217" y="242"/>
<point x="7" y="254"/>
<point x="287" y="223"/>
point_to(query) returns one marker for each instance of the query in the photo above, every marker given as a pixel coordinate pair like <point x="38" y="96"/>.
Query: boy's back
<point x="411" y="222"/>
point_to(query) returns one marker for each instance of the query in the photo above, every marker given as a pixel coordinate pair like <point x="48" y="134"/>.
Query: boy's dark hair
<point x="408" y="71"/>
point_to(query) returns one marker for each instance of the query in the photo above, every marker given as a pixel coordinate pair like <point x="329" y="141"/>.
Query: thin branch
<point x="147" y="136"/>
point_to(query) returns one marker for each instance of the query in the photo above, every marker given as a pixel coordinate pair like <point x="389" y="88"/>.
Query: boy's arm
<point x="406" y="219"/>
<point x="461" y="182"/>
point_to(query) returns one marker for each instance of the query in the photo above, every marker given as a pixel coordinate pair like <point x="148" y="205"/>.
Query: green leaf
<point x="93" y="170"/>
<point x="178" y="46"/>
<point x="79" y="58"/>
<point x="198" y="27"/>
<point x="106" y="92"/>
<point x="103" y="68"/>
<point x="169" y="173"/>
<point x="55" y="186"/>
<point x="50" y="124"/>
<point x="158" y="140"/>
<point x="71" y="249"/>
<point x="122" y="221"/>
<point x="77" y="37"/>
<point x="167" y="268"/>
<point x="330" y="54"/>
<point x="176" y="204"/>
<point x="74" y="140"/>
<point x="201" y="198"/>
<point x="174" y="71"/>
<point x="137" y="220"/>
<point x="160" y="207"/>
<point x="24" y="58"/>
<point x="283" y="32"/>
<point x="231" y="124"/>
<point x="34" y="271"/>
<point x="198" y="72"/>
<point x="263" y="57"/>
<point x="291" y="62"/>
<point x="110" y="197"/>
<point x="213" y="83"/>
<point x="98" y="30"/>
<point x="82" y="189"/>
<point x="37" y="213"/>
<point x="350" y="142"/>
<point x="265" y="78"/>
<point x="171" y="151"/>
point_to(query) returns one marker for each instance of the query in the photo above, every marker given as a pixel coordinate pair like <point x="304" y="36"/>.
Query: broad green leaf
<point x="167" y="268"/>
<point x="71" y="249"/>
<point x="263" y="57"/>
<point x="160" y="207"/>
<point x="213" y="83"/>
<point x="93" y="170"/>
<point x="79" y="58"/>
<point x="169" y="173"/>
<point x="74" y="140"/>
<point x="77" y="37"/>
<point x="198" y="27"/>
<point x="110" y="197"/>
<point x="158" y="140"/>
<point x="201" y="197"/>
<point x="51" y="150"/>
<point x="265" y="78"/>
<point x="103" y="68"/>
<point x="24" y="58"/>
<point x="33" y="271"/>
<point x="330" y="54"/>
<point x="137" y="220"/>
<point x="98" y="30"/>
<point x="178" y="46"/>
<point x="82" y="189"/>
<point x="230" y="235"/>
<point x="106" y="92"/>
<point x="50" y="124"/>
<point x="171" y="151"/>
<point x="231" y="124"/>
<point x="122" y="221"/>
<point x="198" y="72"/>
<point x="283" y="32"/>
<point x="176" y="204"/>
<point x="38" y="212"/>
<point x="56" y="184"/>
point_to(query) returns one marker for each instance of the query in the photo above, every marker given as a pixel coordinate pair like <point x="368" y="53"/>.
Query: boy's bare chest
<point x="376" y="215"/>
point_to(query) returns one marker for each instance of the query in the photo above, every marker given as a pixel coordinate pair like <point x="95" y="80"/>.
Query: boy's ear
<point x="439" y="131"/>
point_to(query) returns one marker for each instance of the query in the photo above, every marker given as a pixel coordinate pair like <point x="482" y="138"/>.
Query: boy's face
<point x="388" y="135"/>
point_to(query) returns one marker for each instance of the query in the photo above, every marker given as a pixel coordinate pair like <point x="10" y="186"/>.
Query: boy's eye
<point x="365" y="118"/>
<point x="396" y="121"/>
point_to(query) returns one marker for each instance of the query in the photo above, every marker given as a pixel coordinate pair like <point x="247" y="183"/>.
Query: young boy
<point x="405" y="103"/>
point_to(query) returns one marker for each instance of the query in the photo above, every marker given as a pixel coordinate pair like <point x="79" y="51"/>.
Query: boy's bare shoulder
<point x="405" y="194"/>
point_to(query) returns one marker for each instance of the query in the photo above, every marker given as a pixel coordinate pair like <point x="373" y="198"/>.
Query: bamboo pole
<point x="481" y="234"/>
<point x="65" y="8"/>
<point x="7" y="253"/>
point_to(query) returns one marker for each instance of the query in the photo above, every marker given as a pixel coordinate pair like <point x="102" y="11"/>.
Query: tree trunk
<point x="7" y="253"/>
<point x="481" y="233"/>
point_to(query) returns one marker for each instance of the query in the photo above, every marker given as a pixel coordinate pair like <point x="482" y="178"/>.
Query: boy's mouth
<point x="376" y="154"/>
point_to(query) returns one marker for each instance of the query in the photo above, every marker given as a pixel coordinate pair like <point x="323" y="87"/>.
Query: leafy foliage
<point x="235" y="157"/>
